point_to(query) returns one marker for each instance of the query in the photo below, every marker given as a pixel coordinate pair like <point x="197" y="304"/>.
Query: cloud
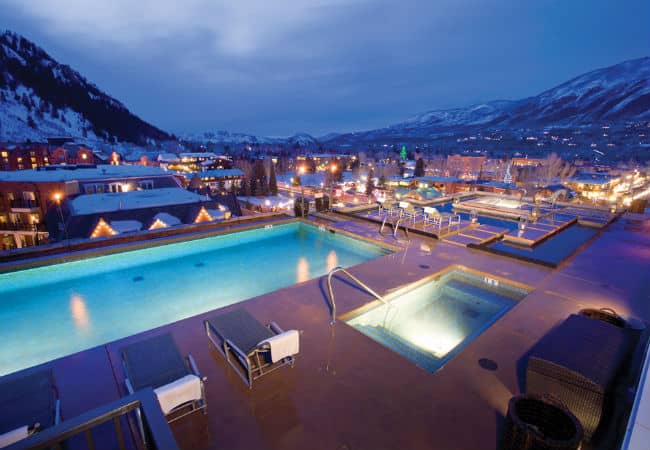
<point x="237" y="28"/>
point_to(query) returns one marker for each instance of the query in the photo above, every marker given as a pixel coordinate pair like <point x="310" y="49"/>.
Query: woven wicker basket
<point x="606" y="315"/>
<point x="536" y="422"/>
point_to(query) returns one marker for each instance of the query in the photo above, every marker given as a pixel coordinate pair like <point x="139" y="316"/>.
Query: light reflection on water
<point x="302" y="270"/>
<point x="79" y="313"/>
<point x="332" y="260"/>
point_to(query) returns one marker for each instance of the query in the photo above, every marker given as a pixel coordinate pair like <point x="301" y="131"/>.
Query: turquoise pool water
<point x="433" y="322"/>
<point x="56" y="310"/>
<point x="553" y="250"/>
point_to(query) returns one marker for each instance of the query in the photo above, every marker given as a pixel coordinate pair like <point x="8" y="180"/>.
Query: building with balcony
<point x="24" y="156"/>
<point x="26" y="196"/>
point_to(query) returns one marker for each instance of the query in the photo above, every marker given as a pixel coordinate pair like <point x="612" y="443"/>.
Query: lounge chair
<point x="251" y="348"/>
<point x="28" y="403"/>
<point x="388" y="206"/>
<point x="432" y="217"/>
<point x="408" y="211"/>
<point x="156" y="362"/>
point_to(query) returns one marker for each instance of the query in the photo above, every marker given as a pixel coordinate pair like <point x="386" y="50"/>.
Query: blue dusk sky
<point x="278" y="67"/>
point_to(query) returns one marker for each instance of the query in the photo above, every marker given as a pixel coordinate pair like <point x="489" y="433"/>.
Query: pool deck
<point x="348" y="392"/>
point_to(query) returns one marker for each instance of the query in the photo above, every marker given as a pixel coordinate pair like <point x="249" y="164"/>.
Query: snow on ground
<point x="14" y="120"/>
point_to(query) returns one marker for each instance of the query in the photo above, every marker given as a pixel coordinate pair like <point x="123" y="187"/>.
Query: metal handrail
<point x="356" y="280"/>
<point x="159" y="434"/>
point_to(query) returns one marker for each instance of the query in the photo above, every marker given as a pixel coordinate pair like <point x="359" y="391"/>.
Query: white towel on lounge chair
<point x="177" y="392"/>
<point x="283" y="344"/>
<point x="12" y="436"/>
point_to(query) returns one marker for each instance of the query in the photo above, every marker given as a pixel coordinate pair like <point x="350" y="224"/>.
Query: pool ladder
<point x="356" y="280"/>
<point x="395" y="226"/>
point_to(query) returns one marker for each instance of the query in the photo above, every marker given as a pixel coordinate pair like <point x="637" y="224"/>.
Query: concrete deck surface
<point x="348" y="392"/>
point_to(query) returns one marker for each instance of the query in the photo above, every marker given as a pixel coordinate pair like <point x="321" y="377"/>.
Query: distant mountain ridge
<point x="225" y="137"/>
<point x="616" y="93"/>
<point x="40" y="97"/>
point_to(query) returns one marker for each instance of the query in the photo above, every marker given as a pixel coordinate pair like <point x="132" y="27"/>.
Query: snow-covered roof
<point x="269" y="201"/>
<point x="198" y="155"/>
<point x="167" y="219"/>
<point x="116" y="201"/>
<point x="220" y="173"/>
<point x="125" y="226"/>
<point x="436" y="179"/>
<point x="66" y="173"/>
<point x="216" y="214"/>
<point x="167" y="157"/>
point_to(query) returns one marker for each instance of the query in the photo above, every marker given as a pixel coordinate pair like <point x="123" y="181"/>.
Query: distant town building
<point x="465" y="166"/>
<point x="26" y="196"/>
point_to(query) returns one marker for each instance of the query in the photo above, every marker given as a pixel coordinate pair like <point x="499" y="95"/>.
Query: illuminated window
<point x="5" y="154"/>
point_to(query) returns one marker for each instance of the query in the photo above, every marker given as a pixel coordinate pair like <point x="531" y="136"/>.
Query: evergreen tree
<point x="259" y="178"/>
<point x="370" y="184"/>
<point x="246" y="187"/>
<point x="273" y="183"/>
<point x="30" y="122"/>
<point x="419" y="168"/>
<point x="382" y="181"/>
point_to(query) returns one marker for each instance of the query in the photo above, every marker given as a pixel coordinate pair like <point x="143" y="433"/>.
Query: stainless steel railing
<point x="356" y="280"/>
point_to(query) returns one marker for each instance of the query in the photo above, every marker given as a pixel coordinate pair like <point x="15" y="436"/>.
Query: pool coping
<point x="483" y="246"/>
<point x="401" y="290"/>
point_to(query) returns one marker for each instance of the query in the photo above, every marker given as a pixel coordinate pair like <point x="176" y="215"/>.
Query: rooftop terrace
<point x="348" y="392"/>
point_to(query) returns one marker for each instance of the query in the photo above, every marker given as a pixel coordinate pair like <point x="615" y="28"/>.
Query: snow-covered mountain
<point x="225" y="137"/>
<point x="613" y="94"/>
<point x="41" y="98"/>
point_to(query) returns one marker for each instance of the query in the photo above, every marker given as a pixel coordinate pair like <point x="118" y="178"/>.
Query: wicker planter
<point x="540" y="423"/>
<point x="606" y="315"/>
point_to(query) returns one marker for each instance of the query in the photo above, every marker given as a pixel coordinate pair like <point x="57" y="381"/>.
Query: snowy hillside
<point x="225" y="137"/>
<point x="613" y="94"/>
<point x="40" y="97"/>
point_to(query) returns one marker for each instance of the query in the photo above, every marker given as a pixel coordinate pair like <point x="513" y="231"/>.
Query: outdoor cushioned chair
<point x="28" y="403"/>
<point x="156" y="362"/>
<point x="432" y="217"/>
<point x="388" y="206"/>
<point x="251" y="348"/>
<point x="408" y="211"/>
<point x="578" y="362"/>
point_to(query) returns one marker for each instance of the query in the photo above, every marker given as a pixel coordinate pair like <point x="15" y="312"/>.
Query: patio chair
<point x="156" y="362"/>
<point x="432" y="217"/>
<point x="28" y="403"/>
<point x="387" y="206"/>
<point x="454" y="219"/>
<point x="408" y="211"/>
<point x="252" y="349"/>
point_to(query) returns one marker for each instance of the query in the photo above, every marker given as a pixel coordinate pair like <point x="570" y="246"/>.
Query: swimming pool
<point x="551" y="251"/>
<point x="52" y="311"/>
<point x="434" y="321"/>
<point x="486" y="220"/>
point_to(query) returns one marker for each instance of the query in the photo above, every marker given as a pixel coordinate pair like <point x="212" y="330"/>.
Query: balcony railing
<point x="11" y="226"/>
<point x="20" y="203"/>
<point x="158" y="434"/>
